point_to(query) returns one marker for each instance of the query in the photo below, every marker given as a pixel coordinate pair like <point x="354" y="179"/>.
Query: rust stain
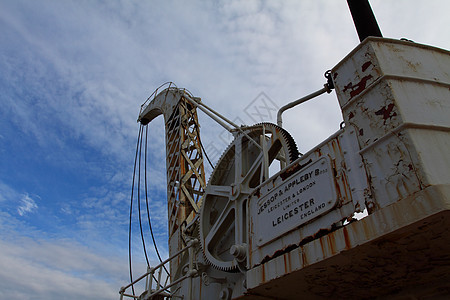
<point x="319" y="152"/>
<point x="258" y="192"/>
<point x="338" y="191"/>
<point x="339" y="145"/>
<point x="361" y="132"/>
<point x="346" y="183"/>
<point x="346" y="186"/>
<point x="346" y="238"/>
<point x="336" y="184"/>
<point x="386" y="112"/>
<point x="322" y="247"/>
<point x="336" y="145"/>
<point x="360" y="86"/>
<point x="288" y="172"/>
<point x="279" y="253"/>
<point x="304" y="258"/>
<point x="306" y="240"/>
<point x="351" y="115"/>
<point x="333" y="145"/>
<point x="348" y="86"/>
<point x="335" y="75"/>
<point x="321" y="232"/>
<point x="331" y="239"/>
<point x="366" y="65"/>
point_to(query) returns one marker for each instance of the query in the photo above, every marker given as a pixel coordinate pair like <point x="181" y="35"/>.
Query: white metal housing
<point x="392" y="157"/>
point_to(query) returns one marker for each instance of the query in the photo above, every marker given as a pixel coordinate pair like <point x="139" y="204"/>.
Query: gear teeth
<point x="205" y="257"/>
<point x="292" y="146"/>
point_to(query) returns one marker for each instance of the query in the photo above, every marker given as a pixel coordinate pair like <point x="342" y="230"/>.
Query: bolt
<point x="205" y="279"/>
<point x="239" y="251"/>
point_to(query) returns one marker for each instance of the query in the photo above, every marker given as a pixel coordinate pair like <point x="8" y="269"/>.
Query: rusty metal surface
<point x="184" y="161"/>
<point x="396" y="94"/>
<point x="406" y="243"/>
<point x="377" y="57"/>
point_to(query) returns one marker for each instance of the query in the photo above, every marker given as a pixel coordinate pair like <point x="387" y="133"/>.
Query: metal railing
<point x="150" y="276"/>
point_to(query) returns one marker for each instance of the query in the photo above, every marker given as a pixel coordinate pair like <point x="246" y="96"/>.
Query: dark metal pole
<point x="364" y="19"/>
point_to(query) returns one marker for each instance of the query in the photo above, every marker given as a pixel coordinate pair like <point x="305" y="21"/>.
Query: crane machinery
<point x="271" y="223"/>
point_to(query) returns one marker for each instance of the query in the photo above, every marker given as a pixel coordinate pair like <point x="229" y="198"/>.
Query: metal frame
<point x="149" y="275"/>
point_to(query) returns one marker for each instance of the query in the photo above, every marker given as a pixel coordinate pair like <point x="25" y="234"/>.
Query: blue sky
<point x="73" y="75"/>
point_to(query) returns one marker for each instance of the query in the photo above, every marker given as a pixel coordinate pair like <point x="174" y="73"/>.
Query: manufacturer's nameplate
<point x="302" y="197"/>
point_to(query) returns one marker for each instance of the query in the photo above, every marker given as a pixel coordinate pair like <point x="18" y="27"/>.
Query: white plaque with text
<point x="300" y="198"/>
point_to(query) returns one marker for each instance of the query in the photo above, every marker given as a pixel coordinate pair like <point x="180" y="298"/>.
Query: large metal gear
<point x="247" y="162"/>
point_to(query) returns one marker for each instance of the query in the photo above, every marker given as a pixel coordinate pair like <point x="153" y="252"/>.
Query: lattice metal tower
<point x="184" y="159"/>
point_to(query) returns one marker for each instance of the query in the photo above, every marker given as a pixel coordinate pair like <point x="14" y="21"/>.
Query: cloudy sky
<point x="73" y="75"/>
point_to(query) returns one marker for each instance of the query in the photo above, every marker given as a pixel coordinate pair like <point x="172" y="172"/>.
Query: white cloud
<point x="120" y="51"/>
<point x="7" y="193"/>
<point x="27" y="205"/>
<point x="40" y="269"/>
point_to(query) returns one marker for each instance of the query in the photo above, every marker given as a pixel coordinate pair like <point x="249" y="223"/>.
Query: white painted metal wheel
<point x="243" y="166"/>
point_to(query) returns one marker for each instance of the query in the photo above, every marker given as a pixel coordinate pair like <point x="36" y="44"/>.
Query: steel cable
<point x="138" y="187"/>
<point x="204" y="151"/>
<point x="131" y="209"/>
<point x="201" y="144"/>
<point x="146" y="201"/>
<point x="139" y="193"/>
<point x="138" y="152"/>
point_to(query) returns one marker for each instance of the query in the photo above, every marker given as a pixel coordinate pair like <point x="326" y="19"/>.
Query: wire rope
<point x="203" y="148"/>
<point x="137" y="185"/>
<point x="139" y="197"/>
<point x="131" y="210"/>
<point x="146" y="202"/>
